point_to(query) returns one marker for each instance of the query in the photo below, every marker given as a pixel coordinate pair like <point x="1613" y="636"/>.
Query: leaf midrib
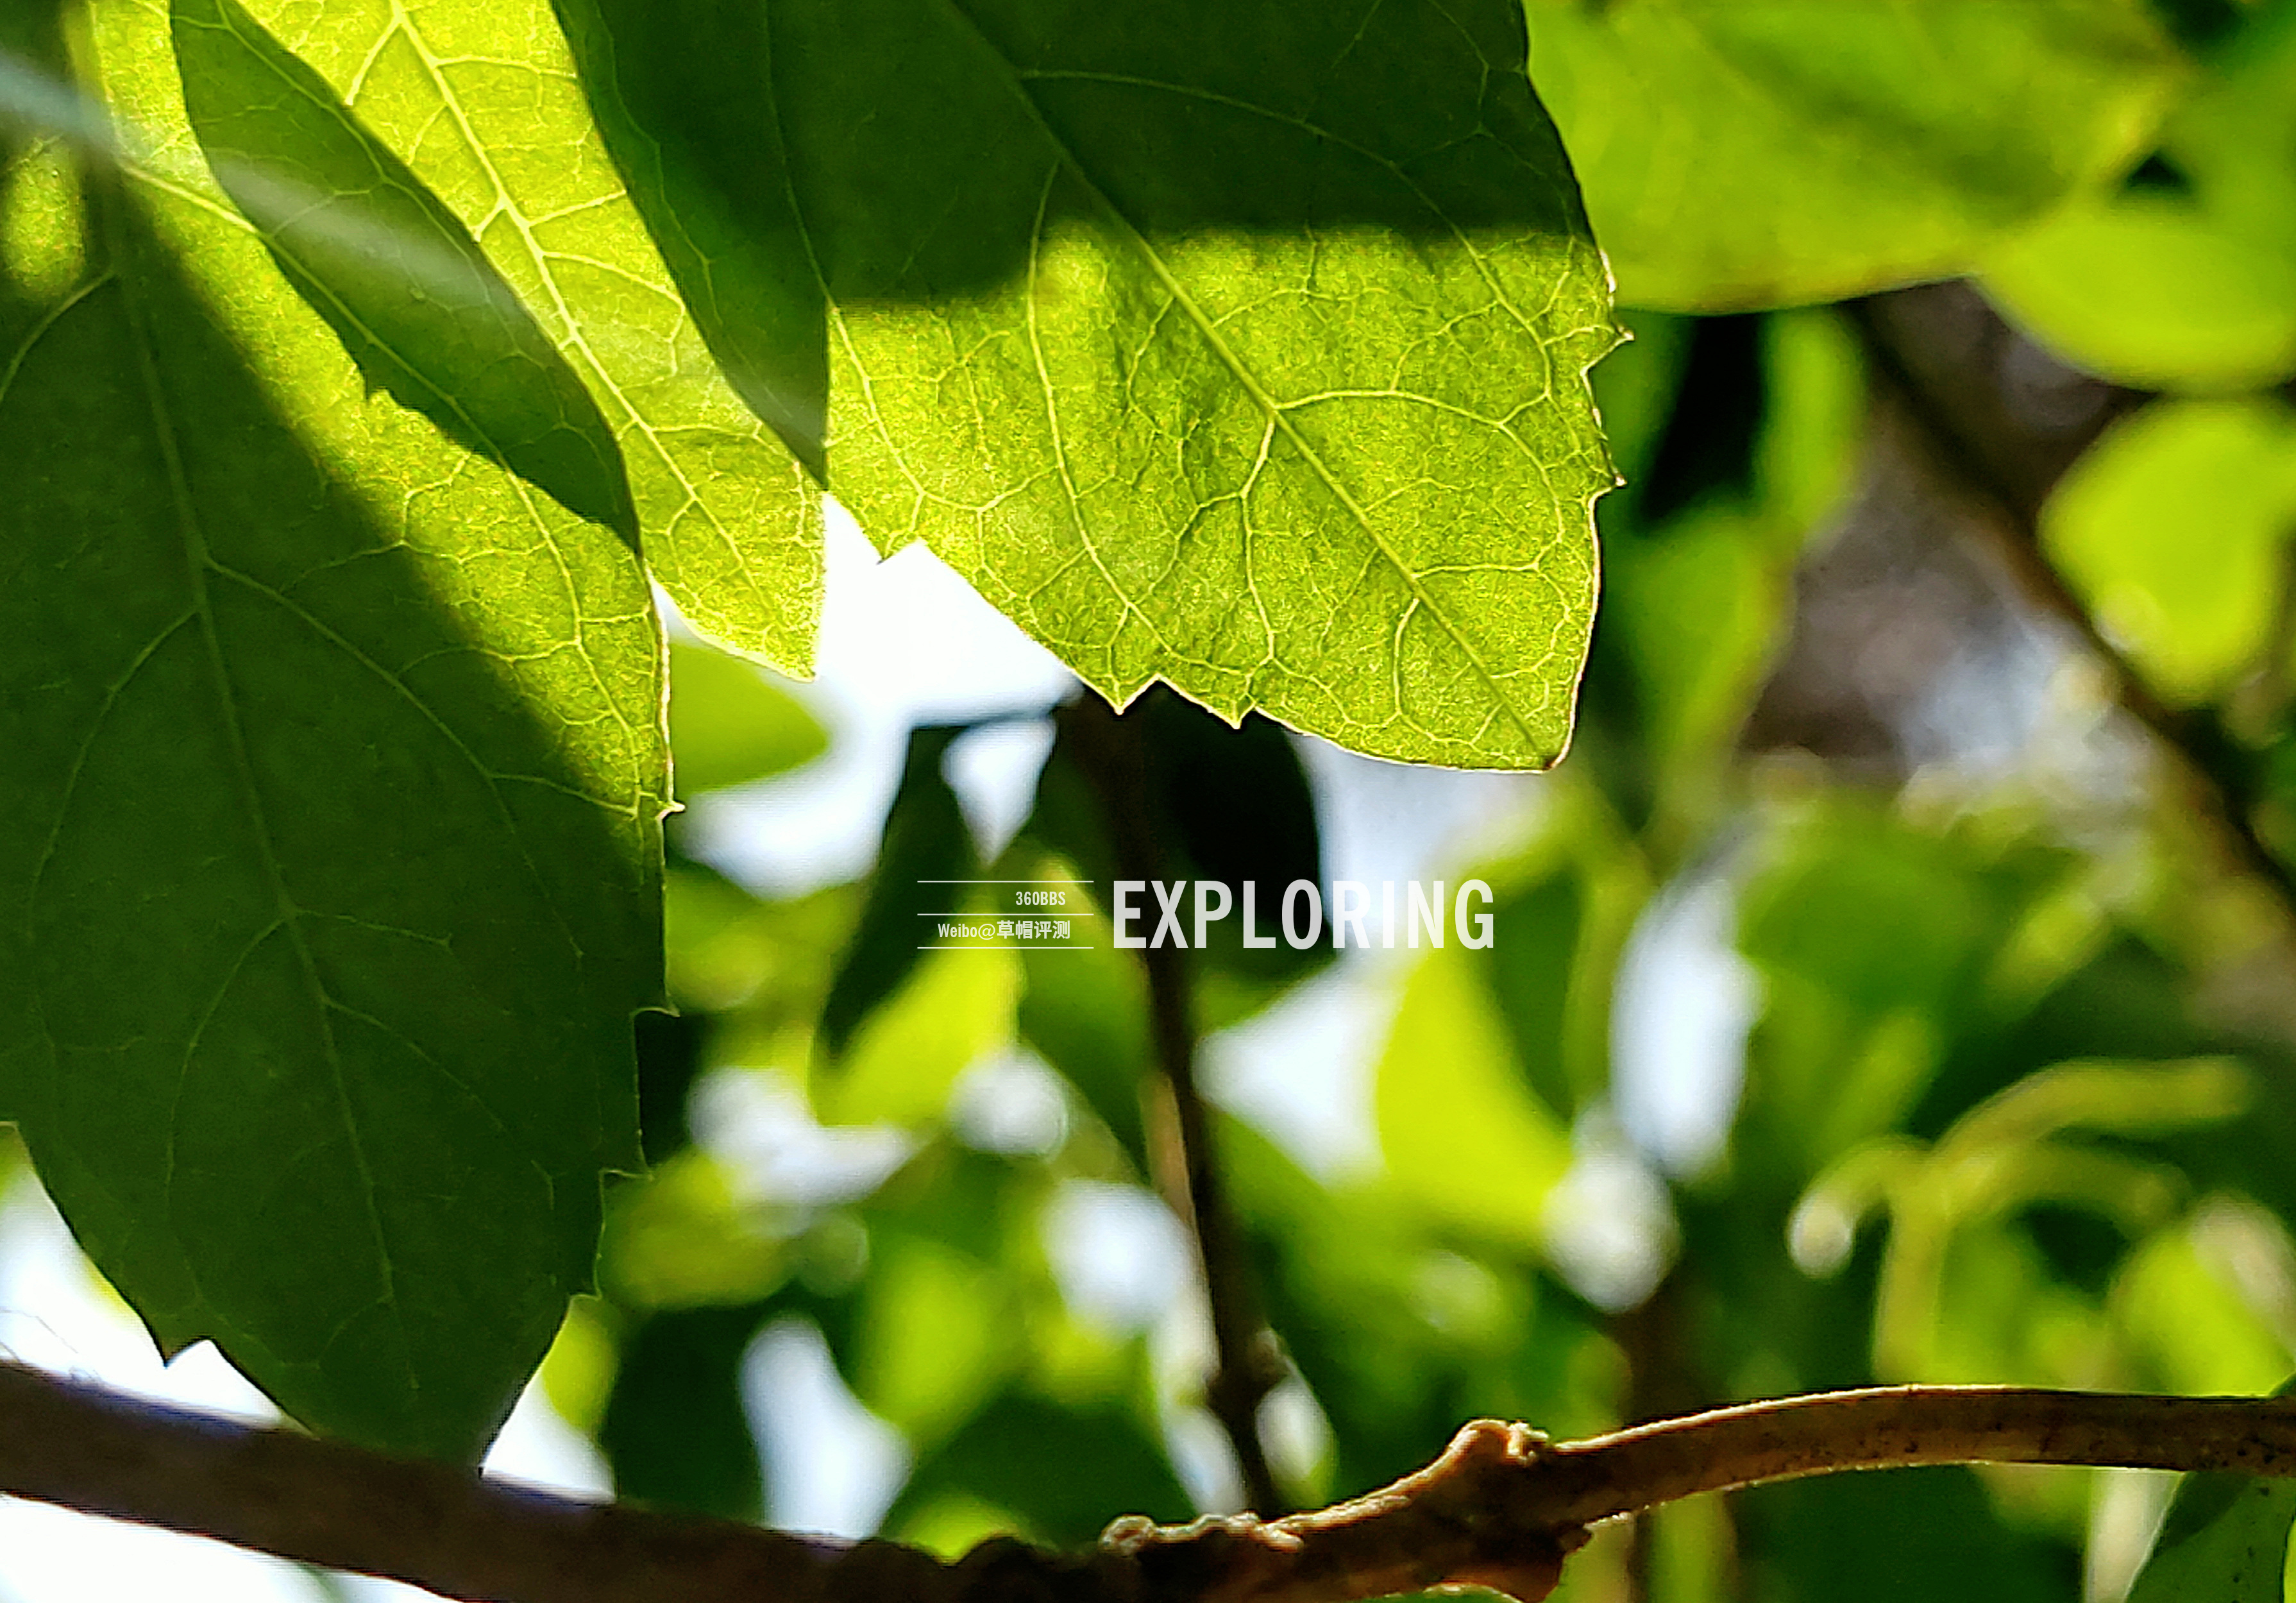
<point x="197" y="560"/>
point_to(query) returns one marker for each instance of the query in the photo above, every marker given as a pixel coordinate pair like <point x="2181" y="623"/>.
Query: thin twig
<point x="1975" y="445"/>
<point x="1502" y="1507"/>
<point x="1108" y="747"/>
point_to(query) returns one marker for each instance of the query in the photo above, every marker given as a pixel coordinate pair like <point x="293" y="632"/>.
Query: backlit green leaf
<point x="328" y="847"/>
<point x="1242" y="347"/>
<point x="481" y="103"/>
<point x="393" y="272"/>
<point x="1740" y="153"/>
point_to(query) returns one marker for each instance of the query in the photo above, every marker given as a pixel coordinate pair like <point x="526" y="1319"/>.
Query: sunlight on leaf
<point x="482" y="105"/>
<point x="1241" y="349"/>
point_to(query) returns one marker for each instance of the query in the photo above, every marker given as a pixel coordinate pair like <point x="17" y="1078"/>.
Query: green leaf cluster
<point x="370" y="375"/>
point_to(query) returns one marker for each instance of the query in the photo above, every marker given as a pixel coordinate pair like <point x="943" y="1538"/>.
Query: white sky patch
<point x="1121" y="1259"/>
<point x="1683" y="1003"/>
<point x="759" y="1126"/>
<point x="831" y="1467"/>
<point x="1302" y="1071"/>
<point x="993" y="769"/>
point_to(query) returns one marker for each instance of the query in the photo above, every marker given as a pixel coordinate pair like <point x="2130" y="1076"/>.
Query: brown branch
<point x="1975" y="439"/>
<point x="1108" y="749"/>
<point x="1501" y="1508"/>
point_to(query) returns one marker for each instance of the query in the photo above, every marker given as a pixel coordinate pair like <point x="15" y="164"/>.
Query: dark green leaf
<point x="331" y="875"/>
<point x="926" y="847"/>
<point x="676" y="1431"/>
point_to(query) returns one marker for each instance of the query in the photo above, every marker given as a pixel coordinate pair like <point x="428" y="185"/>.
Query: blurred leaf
<point x="2180" y="1303"/>
<point x="1709" y="446"/>
<point x="926" y="852"/>
<point x="1400" y="1334"/>
<point x="1867" y="936"/>
<point x="730" y="724"/>
<point x="2002" y="1157"/>
<point x="1231" y="803"/>
<point x="933" y="1336"/>
<point x="762" y="966"/>
<point x="1530" y="975"/>
<point x="2187" y="277"/>
<point x="2173" y="528"/>
<point x="1878" y="916"/>
<point x="681" y="1237"/>
<point x="669" y="1047"/>
<point x="328" y="850"/>
<point x="578" y="1373"/>
<point x="2225" y="1541"/>
<point x="955" y="1009"/>
<point x="1907" y="1536"/>
<point x="1086" y="1011"/>
<point x="951" y="1524"/>
<point x="1699" y="552"/>
<point x="394" y="273"/>
<point x="1064" y="1472"/>
<point x="675" y="1430"/>
<point x="1236" y="806"/>
<point x="1771" y="153"/>
<point x="1464" y="1140"/>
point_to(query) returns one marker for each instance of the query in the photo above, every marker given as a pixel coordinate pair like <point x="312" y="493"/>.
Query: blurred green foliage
<point x="1995" y="1122"/>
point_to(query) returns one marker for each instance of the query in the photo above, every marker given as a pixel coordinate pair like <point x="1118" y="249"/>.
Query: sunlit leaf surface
<point x="1242" y="348"/>
<point x="481" y="105"/>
